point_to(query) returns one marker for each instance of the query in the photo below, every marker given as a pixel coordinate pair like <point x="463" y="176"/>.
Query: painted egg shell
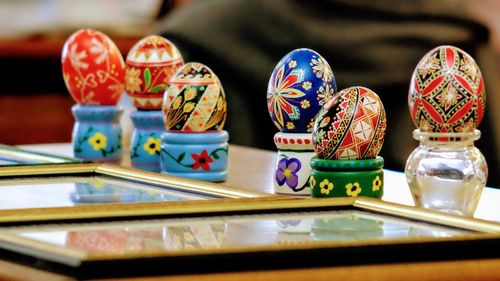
<point x="93" y="68"/>
<point x="447" y="92"/>
<point x="299" y="85"/>
<point x="350" y="126"/>
<point x="150" y="64"/>
<point x="195" y="100"/>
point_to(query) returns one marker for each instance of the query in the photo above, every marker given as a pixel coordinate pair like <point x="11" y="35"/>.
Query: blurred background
<point x="36" y="108"/>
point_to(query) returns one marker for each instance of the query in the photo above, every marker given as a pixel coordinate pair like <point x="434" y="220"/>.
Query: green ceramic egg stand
<point x="347" y="178"/>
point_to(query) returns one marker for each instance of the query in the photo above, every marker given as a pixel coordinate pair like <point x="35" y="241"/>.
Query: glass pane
<point x="233" y="231"/>
<point x="23" y="193"/>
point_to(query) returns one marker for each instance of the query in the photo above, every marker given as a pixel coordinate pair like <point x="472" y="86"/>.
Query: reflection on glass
<point x="11" y="155"/>
<point x="71" y="191"/>
<point x="233" y="231"/>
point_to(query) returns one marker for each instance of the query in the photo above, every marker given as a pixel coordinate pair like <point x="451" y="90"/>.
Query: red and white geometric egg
<point x="350" y="126"/>
<point x="447" y="92"/>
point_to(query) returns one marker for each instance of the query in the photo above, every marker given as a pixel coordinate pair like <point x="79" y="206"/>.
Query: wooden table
<point x="252" y="169"/>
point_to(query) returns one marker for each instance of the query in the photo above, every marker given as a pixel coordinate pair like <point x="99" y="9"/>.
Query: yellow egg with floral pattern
<point x="195" y="100"/>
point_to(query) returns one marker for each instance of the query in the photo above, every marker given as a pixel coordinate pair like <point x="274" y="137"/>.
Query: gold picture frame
<point x="250" y="234"/>
<point x="90" y="191"/>
<point x="15" y="156"/>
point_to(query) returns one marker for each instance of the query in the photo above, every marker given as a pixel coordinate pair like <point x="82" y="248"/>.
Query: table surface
<point x="252" y="169"/>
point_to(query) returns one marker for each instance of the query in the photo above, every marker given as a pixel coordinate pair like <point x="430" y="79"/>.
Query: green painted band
<point x="347" y="183"/>
<point x="347" y="165"/>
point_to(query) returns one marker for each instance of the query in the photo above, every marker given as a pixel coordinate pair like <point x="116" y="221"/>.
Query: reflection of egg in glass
<point x="149" y="66"/>
<point x="300" y="84"/>
<point x="93" y="68"/>
<point x="447" y="92"/>
<point x="195" y="100"/>
<point x="350" y="126"/>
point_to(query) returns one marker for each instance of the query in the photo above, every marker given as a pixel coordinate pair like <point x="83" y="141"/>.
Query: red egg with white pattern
<point x="447" y="92"/>
<point x="350" y="126"/>
<point x="93" y="68"/>
<point x="149" y="66"/>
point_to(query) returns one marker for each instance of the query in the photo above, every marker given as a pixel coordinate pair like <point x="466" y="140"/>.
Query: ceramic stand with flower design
<point x="300" y="84"/>
<point x="149" y="66"/>
<point x="194" y="109"/>
<point x="93" y="71"/>
<point x="348" y="134"/>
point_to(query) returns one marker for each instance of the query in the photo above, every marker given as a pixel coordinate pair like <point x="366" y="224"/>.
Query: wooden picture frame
<point x="90" y="191"/>
<point x="252" y="234"/>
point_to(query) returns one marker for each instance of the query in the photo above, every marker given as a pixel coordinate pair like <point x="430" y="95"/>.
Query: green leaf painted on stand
<point x="181" y="157"/>
<point x="157" y="88"/>
<point x="147" y="77"/>
<point x="215" y="156"/>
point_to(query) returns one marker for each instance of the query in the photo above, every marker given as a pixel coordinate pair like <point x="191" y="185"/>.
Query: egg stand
<point x="146" y="139"/>
<point x="292" y="169"/>
<point x="201" y="156"/>
<point x="446" y="172"/>
<point x="347" y="178"/>
<point x="97" y="134"/>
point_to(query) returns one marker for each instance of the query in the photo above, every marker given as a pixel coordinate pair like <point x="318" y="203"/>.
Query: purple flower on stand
<point x="287" y="172"/>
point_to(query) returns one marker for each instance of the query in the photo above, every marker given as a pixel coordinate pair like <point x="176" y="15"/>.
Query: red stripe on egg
<point x="450" y="57"/>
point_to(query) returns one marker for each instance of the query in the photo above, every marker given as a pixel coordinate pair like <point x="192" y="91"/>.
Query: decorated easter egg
<point x="300" y="84"/>
<point x="150" y="64"/>
<point x="350" y="126"/>
<point x="195" y="100"/>
<point x="93" y="68"/>
<point x="447" y="92"/>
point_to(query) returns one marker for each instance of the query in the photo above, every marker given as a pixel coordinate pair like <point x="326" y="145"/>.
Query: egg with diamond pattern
<point x="446" y="93"/>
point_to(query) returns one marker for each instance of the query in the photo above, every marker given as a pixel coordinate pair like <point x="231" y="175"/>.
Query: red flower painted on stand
<point x="202" y="161"/>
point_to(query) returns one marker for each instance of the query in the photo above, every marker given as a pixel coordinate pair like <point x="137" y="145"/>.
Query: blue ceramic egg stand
<point x="201" y="156"/>
<point x="300" y="84"/>
<point x="97" y="134"/>
<point x="146" y="139"/>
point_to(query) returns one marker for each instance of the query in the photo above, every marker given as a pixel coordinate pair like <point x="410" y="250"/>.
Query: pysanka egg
<point x="447" y="92"/>
<point x="299" y="85"/>
<point x="93" y="68"/>
<point x="150" y="64"/>
<point x="350" y="126"/>
<point x="195" y="100"/>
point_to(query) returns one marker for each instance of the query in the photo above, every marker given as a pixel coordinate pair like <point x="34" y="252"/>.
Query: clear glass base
<point x="446" y="172"/>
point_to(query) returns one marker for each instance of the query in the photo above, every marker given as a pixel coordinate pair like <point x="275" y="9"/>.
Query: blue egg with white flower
<point x="299" y="86"/>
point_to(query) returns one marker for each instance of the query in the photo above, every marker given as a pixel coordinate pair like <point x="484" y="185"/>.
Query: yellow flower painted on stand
<point x="292" y="64"/>
<point x="377" y="183"/>
<point x="325" y="187"/>
<point x="353" y="189"/>
<point x="290" y="125"/>
<point x="98" y="141"/>
<point x="152" y="146"/>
